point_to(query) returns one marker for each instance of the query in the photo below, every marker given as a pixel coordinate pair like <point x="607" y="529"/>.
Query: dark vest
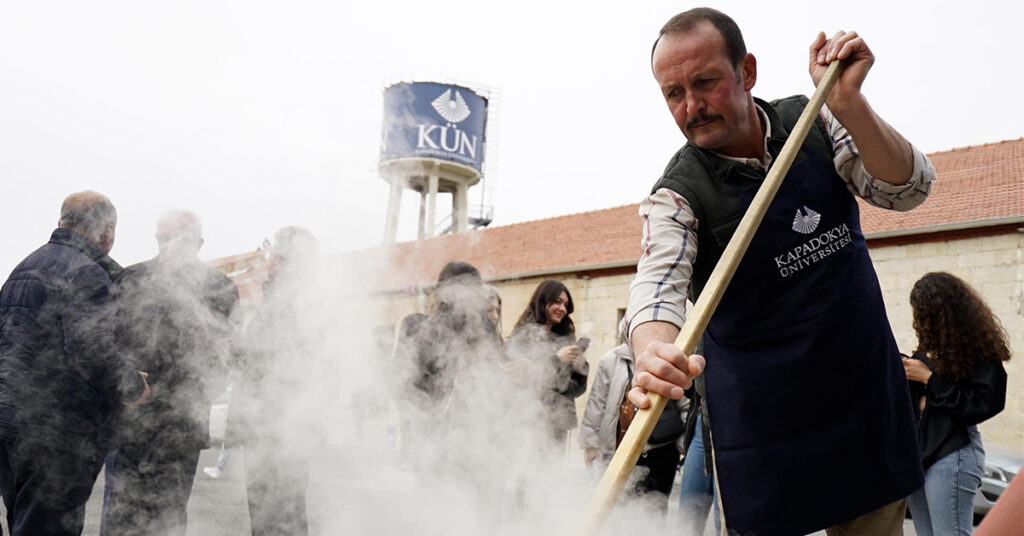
<point x="708" y="183"/>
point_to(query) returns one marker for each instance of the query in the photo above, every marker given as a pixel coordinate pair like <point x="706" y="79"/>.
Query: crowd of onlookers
<point x="116" y="368"/>
<point x="544" y="359"/>
<point x="955" y="376"/>
<point x="111" y="367"/>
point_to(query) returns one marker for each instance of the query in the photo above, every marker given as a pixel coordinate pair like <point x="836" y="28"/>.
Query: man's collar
<point x="772" y="124"/>
<point x="69" y="238"/>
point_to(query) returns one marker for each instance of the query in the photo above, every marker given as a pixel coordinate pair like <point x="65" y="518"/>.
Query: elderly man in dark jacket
<point x="174" y="322"/>
<point x="62" y="382"/>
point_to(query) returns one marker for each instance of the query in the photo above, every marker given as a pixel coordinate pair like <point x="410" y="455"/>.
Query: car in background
<point x="1001" y="465"/>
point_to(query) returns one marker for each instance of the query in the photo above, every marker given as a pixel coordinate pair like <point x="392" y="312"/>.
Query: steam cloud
<point x="383" y="459"/>
<point x="478" y="461"/>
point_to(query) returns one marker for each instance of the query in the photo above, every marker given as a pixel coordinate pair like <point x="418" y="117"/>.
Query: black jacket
<point x="953" y="406"/>
<point x="286" y="372"/>
<point x="176" y="325"/>
<point x="62" y="380"/>
<point x="457" y="334"/>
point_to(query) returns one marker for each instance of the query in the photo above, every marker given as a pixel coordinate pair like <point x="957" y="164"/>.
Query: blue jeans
<point x="945" y="505"/>
<point x="696" y="485"/>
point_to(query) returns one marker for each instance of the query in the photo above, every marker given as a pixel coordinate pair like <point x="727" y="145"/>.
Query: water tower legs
<point x="422" y="229"/>
<point x="429" y="179"/>
<point x="432" y="182"/>
<point x="460" y="207"/>
<point x="394" y="204"/>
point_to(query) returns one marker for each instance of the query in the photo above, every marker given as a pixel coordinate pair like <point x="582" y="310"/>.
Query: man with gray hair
<point x="175" y="322"/>
<point x="63" y="383"/>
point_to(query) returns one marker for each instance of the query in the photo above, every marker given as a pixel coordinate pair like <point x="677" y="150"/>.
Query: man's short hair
<point x="89" y="212"/>
<point x="735" y="48"/>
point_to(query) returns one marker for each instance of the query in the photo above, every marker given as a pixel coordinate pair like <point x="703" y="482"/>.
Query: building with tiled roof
<point x="979" y="186"/>
<point x="971" y="225"/>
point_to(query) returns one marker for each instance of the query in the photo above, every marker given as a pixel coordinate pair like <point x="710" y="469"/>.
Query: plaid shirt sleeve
<point x="875" y="191"/>
<point x="661" y="286"/>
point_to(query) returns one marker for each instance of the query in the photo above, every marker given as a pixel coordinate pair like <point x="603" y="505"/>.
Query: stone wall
<point x="598" y="301"/>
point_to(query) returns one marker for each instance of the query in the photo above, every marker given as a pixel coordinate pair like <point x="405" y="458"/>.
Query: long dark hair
<point x="955" y="326"/>
<point x="537" y="310"/>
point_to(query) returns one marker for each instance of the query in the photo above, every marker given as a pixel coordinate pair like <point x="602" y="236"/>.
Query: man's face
<point x="106" y="238"/>
<point x="708" y="98"/>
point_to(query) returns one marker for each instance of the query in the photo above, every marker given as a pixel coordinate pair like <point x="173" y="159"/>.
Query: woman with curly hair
<point x="957" y="380"/>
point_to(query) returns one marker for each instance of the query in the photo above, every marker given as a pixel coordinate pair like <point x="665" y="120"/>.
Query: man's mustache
<point x="701" y="118"/>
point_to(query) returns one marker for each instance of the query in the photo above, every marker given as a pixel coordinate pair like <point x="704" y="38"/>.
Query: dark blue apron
<point x="810" y="412"/>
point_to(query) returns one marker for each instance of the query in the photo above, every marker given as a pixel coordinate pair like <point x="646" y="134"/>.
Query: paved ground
<point x="353" y="490"/>
<point x="218" y="507"/>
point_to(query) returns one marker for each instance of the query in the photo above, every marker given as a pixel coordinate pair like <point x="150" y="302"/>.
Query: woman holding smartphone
<point x="546" y="336"/>
<point x="957" y="380"/>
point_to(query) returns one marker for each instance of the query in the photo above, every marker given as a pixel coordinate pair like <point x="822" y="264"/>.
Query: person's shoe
<point x="212" y="472"/>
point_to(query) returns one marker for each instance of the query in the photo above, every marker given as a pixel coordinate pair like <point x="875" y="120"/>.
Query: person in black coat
<point x="175" y="322"/>
<point x="63" y="383"/>
<point x="456" y="329"/>
<point x="957" y="381"/>
<point x="280" y="382"/>
<point x="442" y="353"/>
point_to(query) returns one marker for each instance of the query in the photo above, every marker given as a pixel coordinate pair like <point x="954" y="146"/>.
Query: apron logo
<point x="806" y="223"/>
<point x="815" y="249"/>
<point x="451" y="109"/>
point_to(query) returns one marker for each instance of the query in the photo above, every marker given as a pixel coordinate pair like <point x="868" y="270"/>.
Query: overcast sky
<point x="258" y="114"/>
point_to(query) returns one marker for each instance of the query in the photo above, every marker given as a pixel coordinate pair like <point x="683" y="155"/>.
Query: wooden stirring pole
<point x="639" y="431"/>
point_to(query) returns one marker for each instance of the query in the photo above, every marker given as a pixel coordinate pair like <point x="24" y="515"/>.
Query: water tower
<point x="433" y="142"/>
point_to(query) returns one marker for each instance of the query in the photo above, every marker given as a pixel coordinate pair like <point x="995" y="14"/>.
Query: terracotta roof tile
<point x="978" y="183"/>
<point x="584" y="239"/>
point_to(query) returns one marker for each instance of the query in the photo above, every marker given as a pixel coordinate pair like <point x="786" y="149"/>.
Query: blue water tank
<point x="434" y="120"/>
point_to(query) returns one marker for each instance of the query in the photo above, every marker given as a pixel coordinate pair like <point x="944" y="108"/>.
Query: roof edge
<point x="566" y="270"/>
<point x="221" y="261"/>
<point x="535" y="273"/>
<point x="945" y="227"/>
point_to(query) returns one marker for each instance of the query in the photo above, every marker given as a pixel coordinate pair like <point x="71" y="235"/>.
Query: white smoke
<point x="477" y="461"/>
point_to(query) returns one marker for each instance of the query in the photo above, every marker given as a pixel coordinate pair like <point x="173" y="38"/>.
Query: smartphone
<point x="583" y="343"/>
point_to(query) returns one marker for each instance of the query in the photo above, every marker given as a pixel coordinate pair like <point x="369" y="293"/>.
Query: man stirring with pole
<point x="802" y="371"/>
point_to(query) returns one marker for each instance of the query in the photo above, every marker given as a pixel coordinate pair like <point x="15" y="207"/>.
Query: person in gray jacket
<point x="608" y="415"/>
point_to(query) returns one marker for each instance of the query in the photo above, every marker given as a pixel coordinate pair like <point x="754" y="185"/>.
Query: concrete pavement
<point x="358" y="494"/>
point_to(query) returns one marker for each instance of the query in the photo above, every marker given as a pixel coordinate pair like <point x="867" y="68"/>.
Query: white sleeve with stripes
<point x="880" y="193"/>
<point x="661" y="287"/>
